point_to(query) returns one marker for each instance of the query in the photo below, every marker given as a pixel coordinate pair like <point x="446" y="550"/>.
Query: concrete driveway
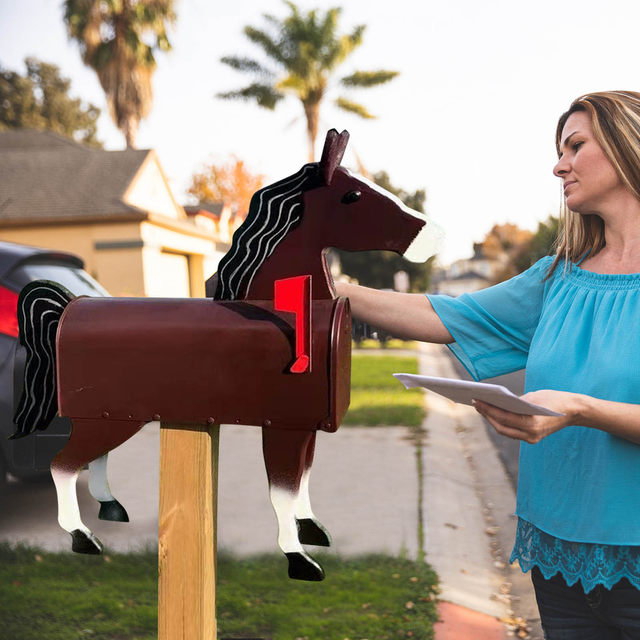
<point x="363" y="488"/>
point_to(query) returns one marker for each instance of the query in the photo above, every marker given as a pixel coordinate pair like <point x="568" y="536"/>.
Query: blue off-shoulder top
<point x="578" y="499"/>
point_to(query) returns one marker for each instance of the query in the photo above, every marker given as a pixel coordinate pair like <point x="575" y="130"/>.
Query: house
<point x="219" y="217"/>
<point x="114" y="209"/>
<point x="468" y="274"/>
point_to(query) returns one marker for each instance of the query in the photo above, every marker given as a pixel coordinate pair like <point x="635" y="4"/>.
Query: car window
<point x="78" y="281"/>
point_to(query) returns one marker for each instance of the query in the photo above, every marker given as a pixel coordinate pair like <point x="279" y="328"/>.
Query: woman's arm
<point x="617" y="418"/>
<point x="406" y="315"/>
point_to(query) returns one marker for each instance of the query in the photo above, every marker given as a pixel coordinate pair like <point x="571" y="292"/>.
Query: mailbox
<point x="229" y="362"/>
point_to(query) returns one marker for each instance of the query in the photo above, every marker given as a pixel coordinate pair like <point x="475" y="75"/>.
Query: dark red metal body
<point x="198" y="361"/>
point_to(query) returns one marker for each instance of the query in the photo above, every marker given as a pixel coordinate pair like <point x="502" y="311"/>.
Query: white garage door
<point x="169" y="277"/>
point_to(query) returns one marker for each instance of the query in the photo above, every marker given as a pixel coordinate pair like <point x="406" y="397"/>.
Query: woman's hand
<point x="532" y="429"/>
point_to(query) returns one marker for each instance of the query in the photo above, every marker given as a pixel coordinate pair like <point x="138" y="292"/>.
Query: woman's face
<point x="590" y="182"/>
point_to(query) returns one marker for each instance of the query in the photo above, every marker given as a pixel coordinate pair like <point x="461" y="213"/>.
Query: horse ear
<point x="343" y="139"/>
<point x="334" y="146"/>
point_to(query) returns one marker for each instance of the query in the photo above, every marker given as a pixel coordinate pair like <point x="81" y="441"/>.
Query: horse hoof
<point x="113" y="510"/>
<point x="310" y="531"/>
<point x="85" y="543"/>
<point x="303" y="567"/>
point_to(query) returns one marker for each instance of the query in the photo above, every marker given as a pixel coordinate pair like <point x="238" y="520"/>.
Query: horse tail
<point x="40" y="306"/>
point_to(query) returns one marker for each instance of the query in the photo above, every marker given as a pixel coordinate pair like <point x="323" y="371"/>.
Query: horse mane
<point x="274" y="211"/>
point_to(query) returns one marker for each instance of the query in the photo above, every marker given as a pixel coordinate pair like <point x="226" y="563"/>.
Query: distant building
<point x="466" y="275"/>
<point x="218" y="217"/>
<point x="112" y="208"/>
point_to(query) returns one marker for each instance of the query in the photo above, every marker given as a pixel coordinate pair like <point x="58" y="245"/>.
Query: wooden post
<point x="187" y="532"/>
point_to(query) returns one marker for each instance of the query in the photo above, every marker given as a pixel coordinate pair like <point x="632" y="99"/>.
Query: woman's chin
<point x="577" y="206"/>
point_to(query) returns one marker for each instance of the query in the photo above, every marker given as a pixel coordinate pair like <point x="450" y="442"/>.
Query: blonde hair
<point x="615" y="119"/>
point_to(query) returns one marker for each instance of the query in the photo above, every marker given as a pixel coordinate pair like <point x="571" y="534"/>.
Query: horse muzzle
<point x="426" y="244"/>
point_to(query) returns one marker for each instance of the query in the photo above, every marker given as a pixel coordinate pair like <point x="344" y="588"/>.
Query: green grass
<point x="45" y="596"/>
<point x="68" y="596"/>
<point x="393" y="343"/>
<point x="377" y="398"/>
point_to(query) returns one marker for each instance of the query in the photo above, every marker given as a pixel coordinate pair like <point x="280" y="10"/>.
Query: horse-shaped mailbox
<point x="116" y="364"/>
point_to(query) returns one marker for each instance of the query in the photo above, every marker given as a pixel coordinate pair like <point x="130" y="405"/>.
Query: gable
<point x="150" y="191"/>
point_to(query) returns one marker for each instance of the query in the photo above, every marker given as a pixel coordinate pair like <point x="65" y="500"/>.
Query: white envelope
<point x="464" y="391"/>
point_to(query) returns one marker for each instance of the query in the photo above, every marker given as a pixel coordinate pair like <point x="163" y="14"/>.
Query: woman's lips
<point x="568" y="184"/>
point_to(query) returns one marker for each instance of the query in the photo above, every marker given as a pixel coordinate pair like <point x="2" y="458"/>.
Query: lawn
<point x="45" y="596"/>
<point x="377" y="398"/>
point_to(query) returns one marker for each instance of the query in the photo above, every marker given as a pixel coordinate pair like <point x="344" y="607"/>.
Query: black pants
<point x="568" y="613"/>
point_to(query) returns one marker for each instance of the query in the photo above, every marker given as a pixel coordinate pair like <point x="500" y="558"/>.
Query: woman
<point x="572" y="321"/>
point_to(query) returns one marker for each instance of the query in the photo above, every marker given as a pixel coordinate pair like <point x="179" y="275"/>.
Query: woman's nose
<point x="562" y="166"/>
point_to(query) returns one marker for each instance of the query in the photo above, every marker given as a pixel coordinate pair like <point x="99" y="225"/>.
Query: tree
<point x="502" y="245"/>
<point x="377" y="268"/>
<point x="518" y="248"/>
<point x="229" y="182"/>
<point x="303" y="52"/>
<point x="40" y="100"/>
<point x="541" y="244"/>
<point x="114" y="37"/>
<point x="505" y="240"/>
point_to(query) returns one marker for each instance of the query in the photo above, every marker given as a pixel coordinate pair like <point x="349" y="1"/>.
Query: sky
<point x="471" y="117"/>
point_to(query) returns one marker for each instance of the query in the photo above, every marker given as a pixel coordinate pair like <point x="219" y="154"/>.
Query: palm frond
<point x="265" y="95"/>
<point x="293" y="7"/>
<point x="272" y="48"/>
<point x="353" y="107"/>
<point x="356" y="35"/>
<point x="247" y="65"/>
<point x="343" y="47"/>
<point x="292" y="82"/>
<point x="327" y="31"/>
<point x="302" y="87"/>
<point x="156" y="13"/>
<point x="368" y="78"/>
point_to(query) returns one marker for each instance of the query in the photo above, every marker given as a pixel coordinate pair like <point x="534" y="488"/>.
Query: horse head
<point x="292" y="222"/>
<point x="358" y="215"/>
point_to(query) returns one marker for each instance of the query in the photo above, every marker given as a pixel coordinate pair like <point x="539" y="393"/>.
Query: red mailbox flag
<point x="294" y="294"/>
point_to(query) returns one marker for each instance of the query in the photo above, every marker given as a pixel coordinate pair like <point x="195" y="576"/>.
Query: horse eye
<point x="350" y="197"/>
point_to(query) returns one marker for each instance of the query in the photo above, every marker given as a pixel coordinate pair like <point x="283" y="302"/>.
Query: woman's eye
<point x="577" y="145"/>
<point x="350" y="197"/>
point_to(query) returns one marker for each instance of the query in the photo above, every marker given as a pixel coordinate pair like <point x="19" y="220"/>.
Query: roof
<point x="44" y="176"/>
<point x="206" y="207"/>
<point x="469" y="275"/>
<point x="14" y="139"/>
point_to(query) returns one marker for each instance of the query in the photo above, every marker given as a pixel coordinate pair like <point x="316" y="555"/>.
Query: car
<point x="29" y="458"/>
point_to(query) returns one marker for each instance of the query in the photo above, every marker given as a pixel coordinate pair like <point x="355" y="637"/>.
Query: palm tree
<point x="113" y="37"/>
<point x="304" y="50"/>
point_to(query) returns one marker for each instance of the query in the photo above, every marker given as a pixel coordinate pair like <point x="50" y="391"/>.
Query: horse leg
<point x="90" y="439"/>
<point x="285" y="454"/>
<point x="310" y="530"/>
<point x="110" y="508"/>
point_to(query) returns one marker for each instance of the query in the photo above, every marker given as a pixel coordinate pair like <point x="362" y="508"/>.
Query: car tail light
<point x="8" y="312"/>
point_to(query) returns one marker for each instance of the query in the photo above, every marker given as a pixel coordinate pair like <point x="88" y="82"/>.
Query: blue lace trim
<point x="591" y="563"/>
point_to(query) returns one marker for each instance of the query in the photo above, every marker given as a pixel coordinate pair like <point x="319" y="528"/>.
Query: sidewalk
<point x="364" y="488"/>
<point x="470" y="523"/>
